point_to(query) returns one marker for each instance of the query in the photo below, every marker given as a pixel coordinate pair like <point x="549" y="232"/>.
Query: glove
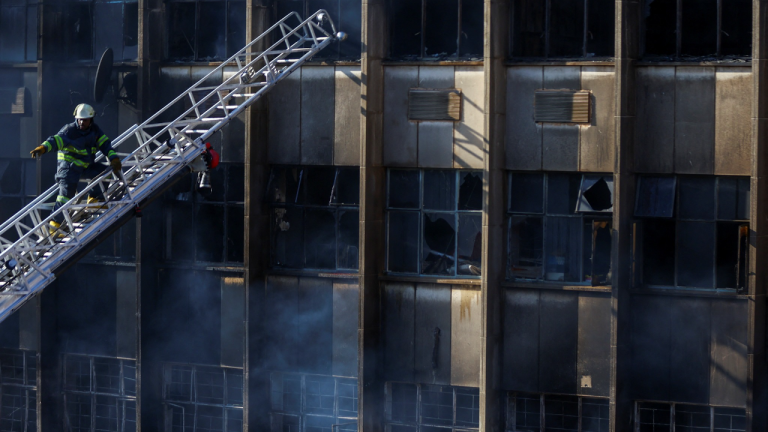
<point x="116" y="165"/>
<point x="38" y="151"/>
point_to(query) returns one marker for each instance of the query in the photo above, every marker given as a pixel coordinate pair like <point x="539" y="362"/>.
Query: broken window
<point x="205" y="30"/>
<point x="432" y="407"/>
<point x="525" y="412"/>
<point x="692" y="231"/>
<point x="18" y="387"/>
<point x="346" y="16"/>
<point x="560" y="227"/>
<point x="562" y="28"/>
<point x="18" y="31"/>
<point x="434" y="222"/>
<point x="660" y="417"/>
<point x="698" y="28"/>
<point x="434" y="29"/>
<point x="314" y="217"/>
<point x="319" y="402"/>
<point x="202" y="398"/>
<point x="99" y="393"/>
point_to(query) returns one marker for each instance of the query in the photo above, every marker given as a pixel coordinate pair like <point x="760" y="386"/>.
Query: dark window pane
<point x="597" y="251"/>
<point x="736" y="26"/>
<point x="107" y="29"/>
<point x="596" y="194"/>
<point x="526" y="193"/>
<point x="470" y="244"/>
<point x="402" y="245"/>
<point x="287" y="237"/>
<point x="653" y="417"/>
<point x="696" y="198"/>
<point x="332" y="7"/>
<point x="526" y="247"/>
<point x="600" y="32"/>
<point x="403" y="189"/>
<point x="235" y="240"/>
<point x="733" y="198"/>
<point x="655" y="196"/>
<point x="691" y="418"/>
<point x="130" y="31"/>
<point x="318" y="185"/>
<point x="561" y="413"/>
<point x="10" y="177"/>
<point x="405" y="30"/>
<point x="594" y="415"/>
<point x="563" y="249"/>
<point x="235" y="27"/>
<point x="728" y="256"/>
<point x="32" y="20"/>
<point x="658" y="239"/>
<point x="403" y="402"/>
<point x="467" y="407"/>
<point x="347" y="190"/>
<point x="660" y="27"/>
<point x="210" y="233"/>
<point x="436" y="405"/>
<point x="471" y="38"/>
<point x="235" y="183"/>
<point x="283" y="185"/>
<point x="12" y="35"/>
<point x="730" y="419"/>
<point x="528" y="39"/>
<point x="441" y="28"/>
<point x="440" y="190"/>
<point x="699" y="28"/>
<point x="695" y="246"/>
<point x="438" y="248"/>
<point x="349" y="233"/>
<point x="181" y="30"/>
<point x="320" y="239"/>
<point x="562" y="191"/>
<point x="217" y="178"/>
<point x="350" y="21"/>
<point x="182" y="245"/>
<point x="527" y="412"/>
<point x="470" y="191"/>
<point x="566" y="28"/>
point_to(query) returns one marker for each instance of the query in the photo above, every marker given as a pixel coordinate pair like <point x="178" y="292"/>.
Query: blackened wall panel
<point x="433" y="334"/>
<point x="317" y="95"/>
<point x="650" y="347"/>
<point x="281" y="327"/>
<point x="524" y="136"/>
<point x="732" y="121"/>
<point x="558" y="336"/>
<point x="655" y="130"/>
<point x="694" y="120"/>
<point x="284" y="127"/>
<point x="561" y="147"/>
<point x="521" y="340"/>
<point x="594" y="357"/>
<point x="232" y="321"/>
<point x="562" y="77"/>
<point x="126" y="313"/>
<point x="466" y="344"/>
<point x="728" y="382"/>
<point x="399" y="303"/>
<point x="436" y="138"/>
<point x="346" y="138"/>
<point x="29" y="325"/>
<point x="596" y="140"/>
<point x="469" y="132"/>
<point x="689" y="354"/>
<point x="315" y="323"/>
<point x="346" y="307"/>
<point x="28" y="129"/>
<point x="399" y="135"/>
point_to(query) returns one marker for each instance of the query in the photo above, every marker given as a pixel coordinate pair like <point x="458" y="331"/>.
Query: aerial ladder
<point x="31" y="255"/>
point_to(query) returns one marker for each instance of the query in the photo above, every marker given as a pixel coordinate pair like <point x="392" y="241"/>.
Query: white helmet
<point x="84" y="111"/>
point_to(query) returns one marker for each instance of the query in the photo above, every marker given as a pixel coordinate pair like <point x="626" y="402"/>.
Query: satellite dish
<point x="103" y="75"/>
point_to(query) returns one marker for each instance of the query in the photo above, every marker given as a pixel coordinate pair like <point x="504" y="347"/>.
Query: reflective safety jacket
<point x="80" y="146"/>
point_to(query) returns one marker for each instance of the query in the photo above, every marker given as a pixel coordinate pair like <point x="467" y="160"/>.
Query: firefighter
<point x="77" y="144"/>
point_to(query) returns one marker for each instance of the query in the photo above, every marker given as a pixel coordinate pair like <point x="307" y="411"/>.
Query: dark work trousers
<point x="67" y="176"/>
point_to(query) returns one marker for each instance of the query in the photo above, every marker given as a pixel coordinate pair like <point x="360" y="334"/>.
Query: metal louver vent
<point x="561" y="106"/>
<point x="424" y="104"/>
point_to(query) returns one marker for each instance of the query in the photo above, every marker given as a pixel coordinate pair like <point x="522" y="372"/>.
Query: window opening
<point x="527" y="412"/>
<point x="434" y="222"/>
<point x="18" y="32"/>
<point x="18" y="388"/>
<point x="312" y="402"/>
<point x="660" y="417"/>
<point x="205" y="30"/>
<point x="346" y="15"/>
<point x="432" y="407"/>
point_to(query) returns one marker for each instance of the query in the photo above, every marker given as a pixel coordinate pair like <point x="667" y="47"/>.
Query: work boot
<point x="92" y="201"/>
<point x="55" y="229"/>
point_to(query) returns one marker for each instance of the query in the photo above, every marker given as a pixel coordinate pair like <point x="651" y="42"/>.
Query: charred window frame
<point x="661" y="416"/>
<point x="559" y="227"/>
<point x="697" y="28"/>
<point x="435" y="29"/>
<point x="562" y="28"/>
<point x="425" y="407"/>
<point x="202" y="398"/>
<point x="314" y="221"/>
<point x="691" y="232"/>
<point x="18" y="31"/>
<point x="201" y="30"/>
<point x="530" y="412"/>
<point x="434" y="221"/>
<point x="99" y="393"/>
<point x="303" y="402"/>
<point x="216" y="218"/>
<point x="346" y="16"/>
<point x="18" y="390"/>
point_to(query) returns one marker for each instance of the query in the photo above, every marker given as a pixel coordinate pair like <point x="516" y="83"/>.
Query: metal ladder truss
<point x="30" y="254"/>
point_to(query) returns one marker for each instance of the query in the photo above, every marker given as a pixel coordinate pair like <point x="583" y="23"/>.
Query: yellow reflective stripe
<point x="47" y="146"/>
<point x="102" y="139"/>
<point x="59" y="142"/>
<point x="61" y="199"/>
<point x="71" y="149"/>
<point x="68" y="158"/>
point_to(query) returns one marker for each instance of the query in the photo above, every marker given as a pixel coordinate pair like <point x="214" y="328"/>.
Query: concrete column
<point x="626" y="54"/>
<point x="372" y="246"/>
<point x="496" y="47"/>
<point x="757" y="381"/>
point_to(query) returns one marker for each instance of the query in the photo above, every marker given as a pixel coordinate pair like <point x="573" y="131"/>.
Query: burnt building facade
<point x="501" y="215"/>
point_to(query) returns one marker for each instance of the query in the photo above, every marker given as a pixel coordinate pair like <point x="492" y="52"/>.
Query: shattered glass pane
<point x="699" y="27"/>
<point x="212" y="46"/>
<point x="235" y="27"/>
<point x="470" y="244"/>
<point x="660" y="27"/>
<point x="526" y="193"/>
<point x="438" y="247"/>
<point x="566" y="28"/>
<point x="526" y="247"/>
<point x="287" y="237"/>
<point x="598" y="252"/>
<point x="470" y="191"/>
<point x="696" y="198"/>
<point x="471" y="37"/>
<point x="658" y="243"/>
<point x="318" y="185"/>
<point x="441" y="26"/>
<point x="403" y="189"/>
<point x="600" y="31"/>
<point x="283" y="185"/>
<point x="596" y="194"/>
<point x="529" y="26"/>
<point x="563" y="254"/>
<point x="727" y="254"/>
<point x="347" y="189"/>
<point x="655" y="196"/>
<point x="439" y="190"/>
<point x="349" y="235"/>
<point x="402" y="244"/>
<point x="405" y="33"/>
<point x="736" y="28"/>
<point x="695" y="242"/>
<point x="320" y="239"/>
<point x="181" y="31"/>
